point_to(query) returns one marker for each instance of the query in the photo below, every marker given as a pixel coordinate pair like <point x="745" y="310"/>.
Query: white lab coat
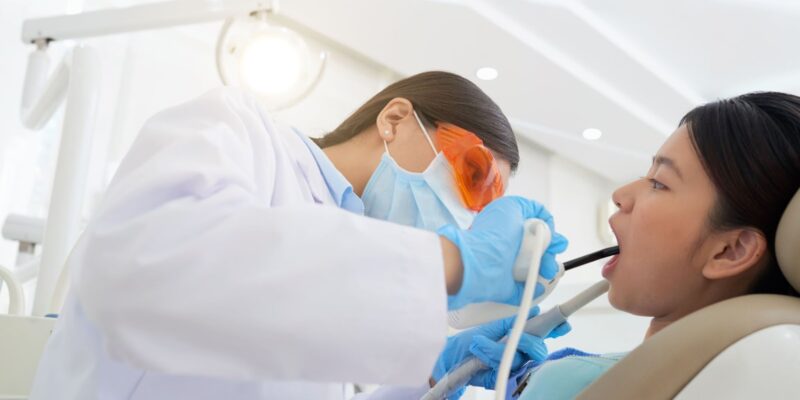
<point x="219" y="267"/>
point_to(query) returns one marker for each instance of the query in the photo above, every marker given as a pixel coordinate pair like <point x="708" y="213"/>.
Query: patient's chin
<point x="615" y="299"/>
<point x="624" y="302"/>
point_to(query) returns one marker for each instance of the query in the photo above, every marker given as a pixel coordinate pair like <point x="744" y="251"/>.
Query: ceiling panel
<point x="628" y="67"/>
<point x="449" y="36"/>
<point x="631" y="68"/>
<point x="607" y="56"/>
<point x="720" y="47"/>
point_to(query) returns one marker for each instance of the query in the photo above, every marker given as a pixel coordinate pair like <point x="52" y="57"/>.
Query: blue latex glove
<point x="482" y="342"/>
<point x="489" y="249"/>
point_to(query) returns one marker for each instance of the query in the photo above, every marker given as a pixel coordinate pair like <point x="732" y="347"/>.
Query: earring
<point x="386" y="133"/>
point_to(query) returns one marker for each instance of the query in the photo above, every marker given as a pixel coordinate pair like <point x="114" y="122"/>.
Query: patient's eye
<point x="656" y="185"/>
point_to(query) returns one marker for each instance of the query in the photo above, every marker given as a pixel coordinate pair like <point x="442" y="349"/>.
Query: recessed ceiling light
<point x="592" y="134"/>
<point x="487" y="73"/>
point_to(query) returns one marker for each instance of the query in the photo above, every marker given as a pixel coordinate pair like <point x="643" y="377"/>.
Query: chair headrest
<point x="787" y="242"/>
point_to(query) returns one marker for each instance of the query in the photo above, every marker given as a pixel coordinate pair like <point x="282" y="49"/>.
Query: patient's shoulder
<point x="566" y="377"/>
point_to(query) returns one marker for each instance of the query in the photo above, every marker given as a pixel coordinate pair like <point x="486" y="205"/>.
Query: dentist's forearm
<point x="453" y="269"/>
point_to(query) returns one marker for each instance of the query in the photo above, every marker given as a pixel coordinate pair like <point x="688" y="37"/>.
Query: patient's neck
<point x="662" y="321"/>
<point x="657" y="324"/>
<point x="710" y="293"/>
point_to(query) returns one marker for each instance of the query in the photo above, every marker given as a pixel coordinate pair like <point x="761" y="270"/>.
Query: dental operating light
<point x="255" y="48"/>
<point x="269" y="59"/>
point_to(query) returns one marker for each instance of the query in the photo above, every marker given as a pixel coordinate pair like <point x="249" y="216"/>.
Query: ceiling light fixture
<point x="592" y="134"/>
<point x="487" y="73"/>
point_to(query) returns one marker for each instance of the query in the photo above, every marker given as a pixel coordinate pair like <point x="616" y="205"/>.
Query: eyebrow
<point x="667" y="162"/>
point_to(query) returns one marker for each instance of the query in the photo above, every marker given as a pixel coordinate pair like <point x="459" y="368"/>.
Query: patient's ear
<point x="735" y="252"/>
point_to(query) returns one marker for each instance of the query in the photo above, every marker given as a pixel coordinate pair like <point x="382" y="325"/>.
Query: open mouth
<point x="609" y="266"/>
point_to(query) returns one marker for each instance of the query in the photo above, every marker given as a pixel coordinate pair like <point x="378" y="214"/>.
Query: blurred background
<point x="591" y="87"/>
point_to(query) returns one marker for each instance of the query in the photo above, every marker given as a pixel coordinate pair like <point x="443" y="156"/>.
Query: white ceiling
<point x="631" y="68"/>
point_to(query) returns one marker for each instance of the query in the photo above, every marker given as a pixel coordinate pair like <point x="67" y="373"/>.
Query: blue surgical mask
<point x="426" y="200"/>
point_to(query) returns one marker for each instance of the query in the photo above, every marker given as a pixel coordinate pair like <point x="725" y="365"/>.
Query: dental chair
<point x="22" y="340"/>
<point x="746" y="347"/>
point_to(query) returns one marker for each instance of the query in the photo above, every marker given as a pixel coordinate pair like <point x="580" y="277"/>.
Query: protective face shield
<point x="436" y="196"/>
<point x="476" y="173"/>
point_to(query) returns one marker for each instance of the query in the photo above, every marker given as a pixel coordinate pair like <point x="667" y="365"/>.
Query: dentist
<point x="234" y="258"/>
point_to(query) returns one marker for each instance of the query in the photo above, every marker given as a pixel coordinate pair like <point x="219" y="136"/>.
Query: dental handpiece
<point x="539" y="325"/>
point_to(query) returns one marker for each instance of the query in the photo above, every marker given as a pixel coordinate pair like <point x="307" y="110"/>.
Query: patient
<point x="700" y="227"/>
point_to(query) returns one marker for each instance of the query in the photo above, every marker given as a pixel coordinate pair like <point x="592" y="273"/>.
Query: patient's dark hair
<point x="750" y="147"/>
<point x="438" y="97"/>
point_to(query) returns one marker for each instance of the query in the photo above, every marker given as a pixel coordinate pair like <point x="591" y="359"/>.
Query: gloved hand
<point x="482" y="342"/>
<point x="489" y="249"/>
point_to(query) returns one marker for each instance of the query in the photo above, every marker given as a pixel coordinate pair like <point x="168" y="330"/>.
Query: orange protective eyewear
<point x="477" y="176"/>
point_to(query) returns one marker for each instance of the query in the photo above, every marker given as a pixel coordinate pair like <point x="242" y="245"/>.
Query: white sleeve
<point x="188" y="269"/>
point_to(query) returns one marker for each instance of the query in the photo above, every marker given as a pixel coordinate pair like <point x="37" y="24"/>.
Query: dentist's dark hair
<point x="438" y="97"/>
<point x="750" y="147"/>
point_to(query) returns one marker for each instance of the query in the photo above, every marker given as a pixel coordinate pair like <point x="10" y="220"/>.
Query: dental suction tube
<point x="539" y="325"/>
<point x="597" y="255"/>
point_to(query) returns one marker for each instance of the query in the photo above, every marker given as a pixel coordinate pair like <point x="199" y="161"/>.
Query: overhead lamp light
<point x="255" y="49"/>
<point x="592" y="134"/>
<point x="270" y="60"/>
<point x="487" y="73"/>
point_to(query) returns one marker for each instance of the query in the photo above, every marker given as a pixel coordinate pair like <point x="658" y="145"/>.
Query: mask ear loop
<point x="425" y="132"/>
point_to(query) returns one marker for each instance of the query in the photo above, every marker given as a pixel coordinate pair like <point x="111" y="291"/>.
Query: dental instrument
<point x="591" y="257"/>
<point x="536" y="240"/>
<point x="534" y="244"/>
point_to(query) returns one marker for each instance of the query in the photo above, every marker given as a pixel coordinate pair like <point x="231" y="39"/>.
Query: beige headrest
<point x="787" y="242"/>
